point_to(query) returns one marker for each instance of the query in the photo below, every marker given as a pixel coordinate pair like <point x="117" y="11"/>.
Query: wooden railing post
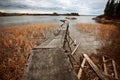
<point x="115" y="70"/>
<point x="104" y="65"/>
<point x="81" y="68"/>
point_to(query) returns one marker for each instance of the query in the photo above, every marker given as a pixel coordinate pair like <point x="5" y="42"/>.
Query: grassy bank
<point x="103" y="31"/>
<point x="107" y="33"/>
<point x="15" y="45"/>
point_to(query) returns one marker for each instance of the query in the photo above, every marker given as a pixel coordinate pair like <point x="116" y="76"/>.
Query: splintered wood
<point x="95" y="68"/>
<point x="81" y="68"/>
<point x="107" y="63"/>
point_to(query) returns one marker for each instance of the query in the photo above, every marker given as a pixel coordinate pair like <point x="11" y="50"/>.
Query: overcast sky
<point x="85" y="7"/>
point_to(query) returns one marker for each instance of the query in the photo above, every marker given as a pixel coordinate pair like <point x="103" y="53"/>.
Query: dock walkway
<point x="49" y="62"/>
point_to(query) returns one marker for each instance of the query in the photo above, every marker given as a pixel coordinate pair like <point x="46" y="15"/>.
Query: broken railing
<point x="68" y="42"/>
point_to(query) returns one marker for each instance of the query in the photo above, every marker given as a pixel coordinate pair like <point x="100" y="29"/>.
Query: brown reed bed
<point x="104" y="32"/>
<point x="15" y="46"/>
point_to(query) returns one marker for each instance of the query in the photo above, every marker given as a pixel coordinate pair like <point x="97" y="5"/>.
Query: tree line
<point x="112" y="9"/>
<point x="38" y="14"/>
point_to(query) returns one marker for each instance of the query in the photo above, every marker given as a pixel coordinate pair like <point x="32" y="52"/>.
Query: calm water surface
<point x="21" y="20"/>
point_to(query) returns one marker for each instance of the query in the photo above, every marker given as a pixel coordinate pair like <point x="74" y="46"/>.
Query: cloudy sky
<point x="85" y="7"/>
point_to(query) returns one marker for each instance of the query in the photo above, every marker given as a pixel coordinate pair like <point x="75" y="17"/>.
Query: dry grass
<point x="15" y="45"/>
<point x="105" y="32"/>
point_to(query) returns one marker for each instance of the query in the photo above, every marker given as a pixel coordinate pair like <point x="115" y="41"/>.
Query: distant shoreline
<point x="49" y="14"/>
<point x="29" y="14"/>
<point x="106" y="20"/>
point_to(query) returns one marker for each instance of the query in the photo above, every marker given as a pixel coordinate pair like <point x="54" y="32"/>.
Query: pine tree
<point x="112" y="8"/>
<point x="107" y="8"/>
<point x="118" y="9"/>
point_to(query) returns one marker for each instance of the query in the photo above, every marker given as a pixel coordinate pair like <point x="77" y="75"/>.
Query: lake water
<point x="21" y="20"/>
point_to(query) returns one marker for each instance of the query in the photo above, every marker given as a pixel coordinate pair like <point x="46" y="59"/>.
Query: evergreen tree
<point x="118" y="9"/>
<point x="107" y="8"/>
<point x="112" y="8"/>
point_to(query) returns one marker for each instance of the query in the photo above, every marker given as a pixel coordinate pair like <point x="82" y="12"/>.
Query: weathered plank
<point x="81" y="67"/>
<point x="49" y="64"/>
<point x="95" y="68"/>
<point x="75" y="49"/>
<point x="51" y="43"/>
<point x="55" y="43"/>
<point x="115" y="70"/>
<point x="104" y="65"/>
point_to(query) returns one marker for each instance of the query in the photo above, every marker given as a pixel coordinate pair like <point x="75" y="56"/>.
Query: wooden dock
<point x="49" y="62"/>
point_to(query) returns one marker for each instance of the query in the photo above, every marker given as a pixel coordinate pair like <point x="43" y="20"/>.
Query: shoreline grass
<point x="105" y="32"/>
<point x="15" y="46"/>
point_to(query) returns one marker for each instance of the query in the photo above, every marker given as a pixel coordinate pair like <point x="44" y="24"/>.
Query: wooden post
<point x="75" y="42"/>
<point x="69" y="56"/>
<point x="71" y="40"/>
<point x="95" y="68"/>
<point x="66" y="41"/>
<point x="115" y="70"/>
<point x="104" y="65"/>
<point x="66" y="35"/>
<point x="81" y="67"/>
<point x="72" y="57"/>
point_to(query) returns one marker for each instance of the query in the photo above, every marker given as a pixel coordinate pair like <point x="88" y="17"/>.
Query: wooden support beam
<point x="104" y="65"/>
<point x="72" y="57"/>
<point x="75" y="42"/>
<point x="71" y="39"/>
<point x="81" y="68"/>
<point x="115" y="70"/>
<point x="75" y="49"/>
<point x="95" y="68"/>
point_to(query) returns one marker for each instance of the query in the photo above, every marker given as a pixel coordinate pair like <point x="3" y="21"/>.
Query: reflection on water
<point x="20" y="20"/>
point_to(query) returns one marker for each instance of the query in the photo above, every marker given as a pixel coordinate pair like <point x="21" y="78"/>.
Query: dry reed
<point x="15" y="45"/>
<point x="103" y="31"/>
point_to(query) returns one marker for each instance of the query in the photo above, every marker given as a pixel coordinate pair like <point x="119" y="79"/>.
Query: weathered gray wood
<point x="49" y="64"/>
<point x="75" y="42"/>
<point x="95" y="68"/>
<point x="115" y="70"/>
<point x="45" y="43"/>
<point x="56" y="42"/>
<point x="75" y="49"/>
<point x="81" y="67"/>
<point x="104" y="65"/>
